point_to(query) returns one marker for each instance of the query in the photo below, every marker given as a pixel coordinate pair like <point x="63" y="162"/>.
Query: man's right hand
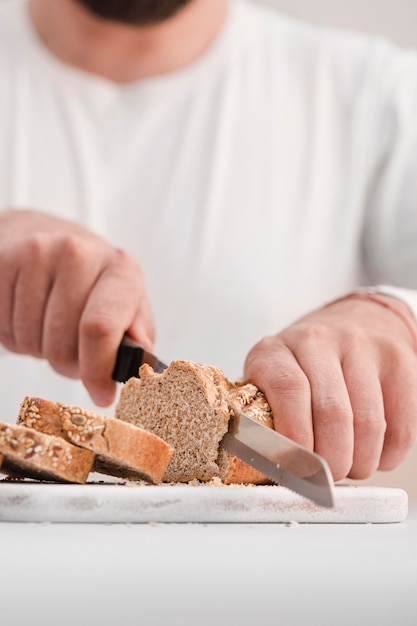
<point x="68" y="296"/>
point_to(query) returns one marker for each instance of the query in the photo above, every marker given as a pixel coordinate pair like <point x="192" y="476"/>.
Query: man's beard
<point x="135" y="12"/>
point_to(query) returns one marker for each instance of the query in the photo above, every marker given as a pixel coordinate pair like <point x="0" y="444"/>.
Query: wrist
<point x="395" y="305"/>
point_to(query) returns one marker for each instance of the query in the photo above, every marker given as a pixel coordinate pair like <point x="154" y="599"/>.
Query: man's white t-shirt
<point x="273" y="174"/>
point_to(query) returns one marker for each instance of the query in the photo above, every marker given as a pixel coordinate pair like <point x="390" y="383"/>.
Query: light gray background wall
<point x="396" y="19"/>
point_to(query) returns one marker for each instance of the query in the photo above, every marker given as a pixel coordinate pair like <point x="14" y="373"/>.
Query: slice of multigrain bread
<point x="121" y="449"/>
<point x="29" y="454"/>
<point x="188" y="406"/>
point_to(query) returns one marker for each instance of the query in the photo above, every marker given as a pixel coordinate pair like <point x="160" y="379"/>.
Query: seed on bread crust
<point x="78" y="419"/>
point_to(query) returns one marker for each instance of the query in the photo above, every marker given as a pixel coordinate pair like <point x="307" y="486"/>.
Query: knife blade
<point x="279" y="458"/>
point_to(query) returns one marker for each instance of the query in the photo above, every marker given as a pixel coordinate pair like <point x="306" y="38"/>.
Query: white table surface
<point x="209" y="574"/>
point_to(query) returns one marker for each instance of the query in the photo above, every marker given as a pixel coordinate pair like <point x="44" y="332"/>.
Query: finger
<point x="331" y="408"/>
<point x="8" y="277"/>
<point x="362" y="380"/>
<point x="76" y="272"/>
<point x="399" y="387"/>
<point x="272" y="367"/>
<point x="112" y="308"/>
<point x="31" y="288"/>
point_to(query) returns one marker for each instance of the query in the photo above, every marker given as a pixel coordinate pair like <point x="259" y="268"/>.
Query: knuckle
<point x="288" y="383"/>
<point x="74" y="249"/>
<point x="314" y="332"/>
<point x="124" y="260"/>
<point x="70" y="245"/>
<point x="124" y="257"/>
<point x="97" y="325"/>
<point x="331" y="410"/>
<point x="43" y="248"/>
<point x="370" y="419"/>
<point x="35" y="248"/>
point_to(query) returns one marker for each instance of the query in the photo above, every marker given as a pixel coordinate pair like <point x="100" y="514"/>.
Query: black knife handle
<point x="130" y="356"/>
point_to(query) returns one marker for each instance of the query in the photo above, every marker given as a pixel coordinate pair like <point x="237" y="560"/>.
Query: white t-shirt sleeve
<point x="390" y="229"/>
<point x="408" y="296"/>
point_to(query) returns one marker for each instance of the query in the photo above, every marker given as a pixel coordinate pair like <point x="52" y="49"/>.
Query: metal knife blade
<point x="280" y="459"/>
<point x="130" y="356"/>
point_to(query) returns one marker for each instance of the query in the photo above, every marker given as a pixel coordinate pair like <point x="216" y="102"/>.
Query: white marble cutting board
<point x="28" y="501"/>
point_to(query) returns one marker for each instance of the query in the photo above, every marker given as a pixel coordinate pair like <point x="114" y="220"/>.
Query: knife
<point x="279" y="458"/>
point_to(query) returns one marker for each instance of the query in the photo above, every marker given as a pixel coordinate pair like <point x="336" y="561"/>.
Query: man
<point x="223" y="176"/>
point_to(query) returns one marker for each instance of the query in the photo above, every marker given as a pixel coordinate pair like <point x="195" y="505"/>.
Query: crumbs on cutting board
<point x="217" y="482"/>
<point x="214" y="482"/>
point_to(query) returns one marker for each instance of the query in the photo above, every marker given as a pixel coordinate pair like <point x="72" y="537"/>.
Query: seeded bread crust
<point x="27" y="453"/>
<point x="121" y="449"/>
<point x="188" y="406"/>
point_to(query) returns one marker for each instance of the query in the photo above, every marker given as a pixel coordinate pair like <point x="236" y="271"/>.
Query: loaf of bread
<point x="27" y="453"/>
<point x="121" y="449"/>
<point x="188" y="406"/>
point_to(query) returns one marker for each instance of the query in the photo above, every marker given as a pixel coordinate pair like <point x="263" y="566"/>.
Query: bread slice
<point x="121" y="449"/>
<point x="188" y="406"/>
<point x="27" y="453"/>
